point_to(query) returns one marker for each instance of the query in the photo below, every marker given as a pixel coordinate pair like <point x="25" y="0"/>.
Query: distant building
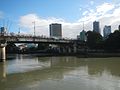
<point x="106" y="31"/>
<point x="3" y="31"/>
<point x="55" y="30"/>
<point x="119" y="27"/>
<point x="78" y="37"/>
<point x="82" y="36"/>
<point x="96" y="27"/>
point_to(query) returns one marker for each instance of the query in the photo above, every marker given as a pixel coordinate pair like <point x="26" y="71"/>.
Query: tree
<point x="94" y="40"/>
<point x="112" y="43"/>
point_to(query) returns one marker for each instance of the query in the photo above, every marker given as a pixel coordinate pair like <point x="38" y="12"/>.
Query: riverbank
<point x="101" y="55"/>
<point x="88" y="55"/>
<point x="79" y="55"/>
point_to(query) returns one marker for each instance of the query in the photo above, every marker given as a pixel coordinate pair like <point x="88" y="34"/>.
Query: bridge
<point x="70" y="44"/>
<point x="34" y="39"/>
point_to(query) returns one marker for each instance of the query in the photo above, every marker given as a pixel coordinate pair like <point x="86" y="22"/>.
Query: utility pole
<point x="83" y="25"/>
<point x="34" y="28"/>
<point x="19" y="31"/>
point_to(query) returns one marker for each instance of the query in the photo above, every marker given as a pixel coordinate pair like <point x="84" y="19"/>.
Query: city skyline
<point x="71" y="14"/>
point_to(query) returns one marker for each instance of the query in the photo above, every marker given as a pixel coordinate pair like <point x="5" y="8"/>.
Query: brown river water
<point x="25" y="72"/>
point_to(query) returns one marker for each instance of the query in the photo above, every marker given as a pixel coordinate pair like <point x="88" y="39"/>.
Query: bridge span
<point x="32" y="39"/>
<point x="69" y="44"/>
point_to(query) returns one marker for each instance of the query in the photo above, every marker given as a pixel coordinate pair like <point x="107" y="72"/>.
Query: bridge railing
<point x="26" y="37"/>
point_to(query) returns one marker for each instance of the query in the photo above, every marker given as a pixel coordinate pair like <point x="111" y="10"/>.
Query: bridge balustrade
<point x="23" y="38"/>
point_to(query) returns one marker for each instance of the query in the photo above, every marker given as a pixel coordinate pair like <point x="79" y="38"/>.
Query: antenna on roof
<point x="83" y="25"/>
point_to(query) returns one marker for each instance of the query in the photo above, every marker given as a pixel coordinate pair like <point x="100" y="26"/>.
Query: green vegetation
<point x="96" y="41"/>
<point x="112" y="43"/>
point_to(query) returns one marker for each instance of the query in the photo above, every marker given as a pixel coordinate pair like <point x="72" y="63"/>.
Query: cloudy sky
<point x="20" y="14"/>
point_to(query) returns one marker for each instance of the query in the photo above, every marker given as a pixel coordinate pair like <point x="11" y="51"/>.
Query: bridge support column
<point x="2" y="53"/>
<point x="75" y="48"/>
<point x="69" y="50"/>
<point x="64" y="50"/>
<point x="59" y="49"/>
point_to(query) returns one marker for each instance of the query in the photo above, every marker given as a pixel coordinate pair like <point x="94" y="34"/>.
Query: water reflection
<point x="95" y="66"/>
<point x="80" y="73"/>
<point x="3" y="70"/>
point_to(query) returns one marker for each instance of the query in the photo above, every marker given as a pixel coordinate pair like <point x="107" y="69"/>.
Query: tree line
<point x="97" y="42"/>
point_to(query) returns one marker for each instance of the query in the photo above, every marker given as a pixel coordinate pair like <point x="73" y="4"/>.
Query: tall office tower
<point x="106" y="31"/>
<point x="55" y="30"/>
<point x="96" y="27"/>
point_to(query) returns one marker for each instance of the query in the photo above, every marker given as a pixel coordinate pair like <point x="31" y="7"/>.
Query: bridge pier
<point x="75" y="48"/>
<point x="59" y="49"/>
<point x="69" y="50"/>
<point x="63" y="50"/>
<point x="2" y="52"/>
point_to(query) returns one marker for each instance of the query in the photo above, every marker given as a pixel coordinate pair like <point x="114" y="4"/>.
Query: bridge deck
<point x="30" y="39"/>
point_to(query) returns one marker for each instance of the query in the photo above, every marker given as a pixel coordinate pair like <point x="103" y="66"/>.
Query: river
<point x="28" y="72"/>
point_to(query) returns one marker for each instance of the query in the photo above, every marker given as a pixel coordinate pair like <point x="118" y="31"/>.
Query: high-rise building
<point x="82" y="36"/>
<point x="106" y="31"/>
<point x="55" y="30"/>
<point x="96" y="27"/>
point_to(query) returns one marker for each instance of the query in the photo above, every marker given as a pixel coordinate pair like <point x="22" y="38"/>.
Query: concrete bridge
<point x="32" y="39"/>
<point x="70" y="45"/>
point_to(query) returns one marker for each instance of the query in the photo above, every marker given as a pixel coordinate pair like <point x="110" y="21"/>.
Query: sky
<point x="19" y="15"/>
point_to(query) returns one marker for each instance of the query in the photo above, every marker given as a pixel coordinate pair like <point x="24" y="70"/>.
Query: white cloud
<point x="106" y="13"/>
<point x="85" y="13"/>
<point x="104" y="8"/>
<point x="42" y="25"/>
